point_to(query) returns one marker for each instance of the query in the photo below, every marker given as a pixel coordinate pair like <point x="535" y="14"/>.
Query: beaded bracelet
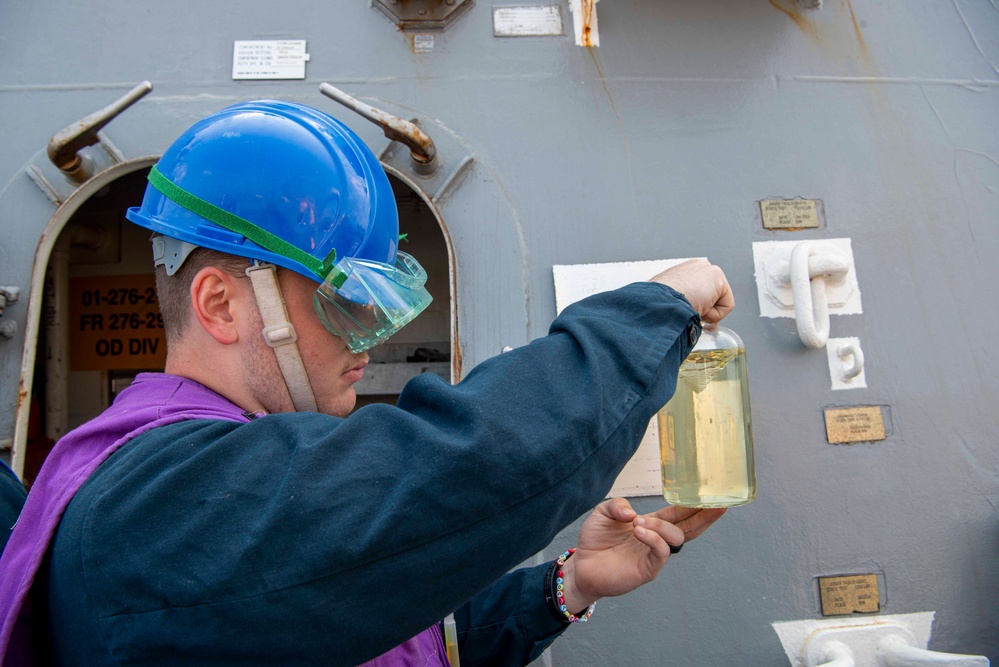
<point x="560" y="595"/>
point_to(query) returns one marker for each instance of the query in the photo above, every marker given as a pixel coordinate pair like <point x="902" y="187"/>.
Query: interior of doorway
<point x="424" y="345"/>
<point x="101" y="247"/>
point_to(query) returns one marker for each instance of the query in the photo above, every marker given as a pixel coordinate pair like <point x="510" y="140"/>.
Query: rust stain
<point x="603" y="82"/>
<point x="790" y="8"/>
<point x="620" y="124"/>
<point x="587" y="9"/>
<point x="865" y="52"/>
<point x="456" y="359"/>
<point x="838" y="36"/>
<point x="22" y="393"/>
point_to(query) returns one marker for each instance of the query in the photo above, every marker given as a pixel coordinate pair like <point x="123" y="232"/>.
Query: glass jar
<point x="705" y="431"/>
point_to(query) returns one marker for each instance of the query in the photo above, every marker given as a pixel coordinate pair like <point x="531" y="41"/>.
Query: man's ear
<point x="218" y="299"/>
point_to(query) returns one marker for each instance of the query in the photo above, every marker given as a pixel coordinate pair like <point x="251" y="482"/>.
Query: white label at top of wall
<point x="527" y="21"/>
<point x="269" y="59"/>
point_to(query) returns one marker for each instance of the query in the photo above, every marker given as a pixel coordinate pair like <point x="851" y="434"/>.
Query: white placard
<point x="531" y="21"/>
<point x="269" y="59"/>
<point x="642" y="475"/>
<point x="423" y="43"/>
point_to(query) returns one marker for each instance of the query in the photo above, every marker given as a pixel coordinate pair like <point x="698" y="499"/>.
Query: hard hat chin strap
<point x="280" y="335"/>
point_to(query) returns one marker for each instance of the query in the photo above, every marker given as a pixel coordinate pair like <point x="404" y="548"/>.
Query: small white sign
<point x="423" y="43"/>
<point x="269" y="59"/>
<point x="530" y="21"/>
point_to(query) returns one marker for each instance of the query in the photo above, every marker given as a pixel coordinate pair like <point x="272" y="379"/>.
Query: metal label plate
<point x="857" y="424"/>
<point x="789" y="214"/>
<point x="849" y="594"/>
<point x="526" y="21"/>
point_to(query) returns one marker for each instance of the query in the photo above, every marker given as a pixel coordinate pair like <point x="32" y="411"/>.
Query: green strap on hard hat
<point x="234" y="223"/>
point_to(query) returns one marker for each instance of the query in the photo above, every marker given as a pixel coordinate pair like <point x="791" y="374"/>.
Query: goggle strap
<point x="280" y="336"/>
<point x="235" y="223"/>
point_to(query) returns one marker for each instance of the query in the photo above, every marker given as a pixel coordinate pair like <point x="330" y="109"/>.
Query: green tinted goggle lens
<point x="365" y="302"/>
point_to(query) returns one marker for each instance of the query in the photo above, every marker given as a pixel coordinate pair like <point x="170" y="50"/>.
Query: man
<point x="225" y="512"/>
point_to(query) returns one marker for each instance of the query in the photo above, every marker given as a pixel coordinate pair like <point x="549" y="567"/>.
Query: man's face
<point x="331" y="367"/>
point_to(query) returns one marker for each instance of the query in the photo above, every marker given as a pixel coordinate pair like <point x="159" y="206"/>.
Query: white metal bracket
<point x="846" y="363"/>
<point x="809" y="281"/>
<point x="898" y="640"/>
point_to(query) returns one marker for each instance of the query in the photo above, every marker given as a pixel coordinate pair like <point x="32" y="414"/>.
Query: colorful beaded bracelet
<point x="559" y="592"/>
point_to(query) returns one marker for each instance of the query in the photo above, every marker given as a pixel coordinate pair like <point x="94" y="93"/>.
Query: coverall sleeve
<point x="509" y="624"/>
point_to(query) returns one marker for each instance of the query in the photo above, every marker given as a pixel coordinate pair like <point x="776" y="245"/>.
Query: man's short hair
<point x="174" y="292"/>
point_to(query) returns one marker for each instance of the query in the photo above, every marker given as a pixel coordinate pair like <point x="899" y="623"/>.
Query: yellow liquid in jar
<point x="705" y="433"/>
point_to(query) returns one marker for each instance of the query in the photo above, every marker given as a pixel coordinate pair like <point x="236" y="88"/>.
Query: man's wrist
<point x="574" y="598"/>
<point x="561" y="594"/>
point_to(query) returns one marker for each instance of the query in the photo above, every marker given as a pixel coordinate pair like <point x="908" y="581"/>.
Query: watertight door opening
<point x="425" y="344"/>
<point x="100" y="324"/>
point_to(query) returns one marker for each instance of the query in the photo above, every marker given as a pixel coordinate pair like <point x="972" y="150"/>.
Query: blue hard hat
<point x="275" y="181"/>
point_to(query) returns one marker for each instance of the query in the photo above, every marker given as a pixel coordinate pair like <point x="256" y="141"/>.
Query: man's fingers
<point x="723" y="306"/>
<point x="693" y="521"/>
<point x="675" y="513"/>
<point x="704" y="285"/>
<point x="658" y="535"/>
<point x="618" y="509"/>
<point x="697" y="523"/>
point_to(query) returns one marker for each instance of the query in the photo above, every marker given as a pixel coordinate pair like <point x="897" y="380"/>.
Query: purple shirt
<point x="154" y="399"/>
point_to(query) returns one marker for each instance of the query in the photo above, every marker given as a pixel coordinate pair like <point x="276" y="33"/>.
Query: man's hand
<point x="704" y="285"/>
<point x="619" y="550"/>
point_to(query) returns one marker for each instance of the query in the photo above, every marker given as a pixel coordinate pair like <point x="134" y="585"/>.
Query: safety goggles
<point x="364" y="302"/>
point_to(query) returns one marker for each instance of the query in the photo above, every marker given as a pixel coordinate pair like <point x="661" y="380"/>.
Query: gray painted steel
<point x="657" y="144"/>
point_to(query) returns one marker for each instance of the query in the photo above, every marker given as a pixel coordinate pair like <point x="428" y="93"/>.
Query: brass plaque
<point x="850" y="594"/>
<point x="860" y="424"/>
<point x="790" y="213"/>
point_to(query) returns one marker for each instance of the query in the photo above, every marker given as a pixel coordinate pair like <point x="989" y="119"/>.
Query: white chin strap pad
<point x="280" y="335"/>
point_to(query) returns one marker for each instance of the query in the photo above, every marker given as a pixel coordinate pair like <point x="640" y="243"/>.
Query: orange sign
<point x="115" y="323"/>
